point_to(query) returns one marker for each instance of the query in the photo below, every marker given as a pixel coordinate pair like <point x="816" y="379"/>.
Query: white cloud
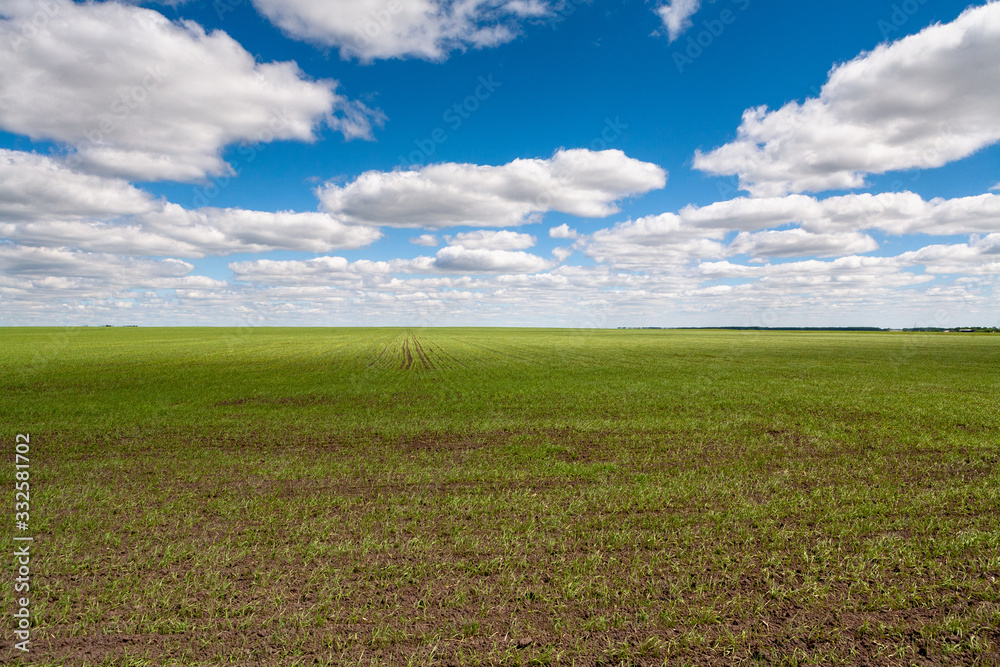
<point x="226" y="231"/>
<point x="428" y="240"/>
<point x="995" y="188"/>
<point x="42" y="203"/>
<point x="750" y="214"/>
<point x="676" y="15"/>
<point x="920" y="102"/>
<point x="893" y="212"/>
<point x="907" y="213"/>
<point x="130" y="239"/>
<point x="980" y="257"/>
<point x="139" y="96"/>
<point x="800" y="243"/>
<point x="174" y="231"/>
<point x="853" y="290"/>
<point x="59" y="266"/>
<point x="562" y="254"/>
<point x="429" y="29"/>
<point x="319" y="270"/>
<point x="826" y="228"/>
<point x="502" y="240"/>
<point x="812" y="273"/>
<point x="990" y="245"/>
<point x="578" y="181"/>
<point x="35" y="187"/>
<point x="337" y="270"/>
<point x="563" y="231"/>
<point x="658" y="242"/>
<point x="483" y="260"/>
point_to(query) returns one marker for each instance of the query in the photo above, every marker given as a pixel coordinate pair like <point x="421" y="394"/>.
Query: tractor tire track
<point x="424" y="357"/>
<point x="378" y="357"/>
<point x="407" y="361"/>
<point x="439" y="351"/>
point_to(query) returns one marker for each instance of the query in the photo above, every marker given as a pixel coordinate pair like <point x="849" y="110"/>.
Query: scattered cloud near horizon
<point x="44" y="202"/>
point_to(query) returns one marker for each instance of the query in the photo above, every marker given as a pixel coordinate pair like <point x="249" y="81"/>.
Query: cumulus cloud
<point x="974" y="258"/>
<point x="338" y="270"/>
<point x="676" y="15"/>
<point x="175" y="231"/>
<point x="920" y="102"/>
<point x="139" y="96"/>
<point x="660" y="242"/>
<point x="748" y="214"/>
<point x="562" y="254"/>
<point x="896" y="213"/>
<point x="485" y="260"/>
<point x="223" y="231"/>
<point x="54" y="263"/>
<point x="800" y="243"/>
<point x="319" y="270"/>
<point x="502" y="240"/>
<point x="130" y="239"/>
<point x="578" y="181"/>
<point x="563" y="231"/>
<point x="34" y="187"/>
<point x="979" y="257"/>
<point x="43" y="203"/>
<point x="813" y="273"/>
<point x="825" y="228"/>
<point x="428" y="240"/>
<point x="429" y="29"/>
<point x="69" y="286"/>
<point x="852" y="290"/>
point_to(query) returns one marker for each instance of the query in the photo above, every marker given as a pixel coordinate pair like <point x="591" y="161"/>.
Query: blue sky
<point x="512" y="162"/>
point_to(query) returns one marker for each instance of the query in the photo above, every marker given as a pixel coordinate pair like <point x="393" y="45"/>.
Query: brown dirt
<point x="303" y="400"/>
<point x="472" y="609"/>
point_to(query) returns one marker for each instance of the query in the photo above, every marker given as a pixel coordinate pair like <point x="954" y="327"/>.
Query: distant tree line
<point x="911" y="329"/>
<point x="765" y="328"/>
<point x="957" y="329"/>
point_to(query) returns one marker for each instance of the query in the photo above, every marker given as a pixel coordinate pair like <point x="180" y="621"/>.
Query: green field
<point x="504" y="496"/>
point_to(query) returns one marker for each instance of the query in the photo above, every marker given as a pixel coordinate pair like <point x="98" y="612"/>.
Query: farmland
<point x="504" y="496"/>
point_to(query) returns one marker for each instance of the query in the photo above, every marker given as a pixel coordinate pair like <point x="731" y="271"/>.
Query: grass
<point x="497" y="496"/>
